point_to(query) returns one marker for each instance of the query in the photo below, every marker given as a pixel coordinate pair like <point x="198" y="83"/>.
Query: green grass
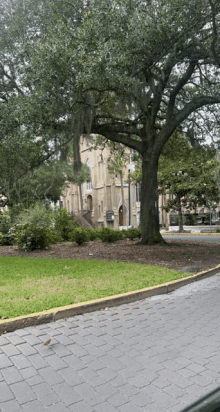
<point x="29" y="285"/>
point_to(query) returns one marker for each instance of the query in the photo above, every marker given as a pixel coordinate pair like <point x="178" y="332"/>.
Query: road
<point x="158" y="354"/>
<point x="205" y="238"/>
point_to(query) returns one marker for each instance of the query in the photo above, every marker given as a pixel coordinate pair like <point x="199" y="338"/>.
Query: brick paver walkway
<point x="158" y="354"/>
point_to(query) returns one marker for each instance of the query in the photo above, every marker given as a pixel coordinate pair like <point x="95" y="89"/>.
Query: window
<point x="138" y="192"/>
<point x="99" y="170"/>
<point x="88" y="186"/>
<point x="102" y="206"/>
<point x="99" y="210"/>
<point x="87" y="142"/>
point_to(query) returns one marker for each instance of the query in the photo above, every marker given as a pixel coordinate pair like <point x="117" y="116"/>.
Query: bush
<point x="92" y="234"/>
<point x="55" y="235"/>
<point x="36" y="215"/>
<point x="133" y="233"/>
<point x="4" y="222"/>
<point x="8" y="239"/>
<point x="64" y="224"/>
<point x="31" y="237"/>
<point x="124" y="233"/>
<point x="109" y="235"/>
<point x="15" y="211"/>
<point x="79" y="236"/>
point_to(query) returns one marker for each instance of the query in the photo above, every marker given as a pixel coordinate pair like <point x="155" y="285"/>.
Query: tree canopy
<point x="130" y="71"/>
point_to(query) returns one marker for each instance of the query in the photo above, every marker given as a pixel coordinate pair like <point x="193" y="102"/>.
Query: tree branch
<point x="111" y="134"/>
<point x="181" y="83"/>
<point x="195" y="104"/>
<point x="161" y="86"/>
<point x="11" y="79"/>
<point x="214" y="41"/>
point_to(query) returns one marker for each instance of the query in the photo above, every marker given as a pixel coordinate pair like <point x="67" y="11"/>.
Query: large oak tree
<point x="130" y="71"/>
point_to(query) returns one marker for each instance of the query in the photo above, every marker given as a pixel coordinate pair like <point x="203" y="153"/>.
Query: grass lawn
<point x="29" y="285"/>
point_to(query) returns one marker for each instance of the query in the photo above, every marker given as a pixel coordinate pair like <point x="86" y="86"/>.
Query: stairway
<point x="83" y="220"/>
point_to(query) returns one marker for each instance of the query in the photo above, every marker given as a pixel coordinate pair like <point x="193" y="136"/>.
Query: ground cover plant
<point x="35" y="284"/>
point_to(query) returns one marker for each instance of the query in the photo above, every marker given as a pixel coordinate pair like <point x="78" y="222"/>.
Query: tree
<point x="132" y="72"/>
<point x="23" y="181"/>
<point x="27" y="172"/>
<point x="188" y="173"/>
<point x="117" y="162"/>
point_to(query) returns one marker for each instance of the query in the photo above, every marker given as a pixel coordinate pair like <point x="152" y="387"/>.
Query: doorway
<point x="89" y="202"/>
<point x="121" y="214"/>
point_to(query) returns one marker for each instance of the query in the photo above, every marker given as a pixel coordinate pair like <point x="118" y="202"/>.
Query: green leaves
<point x="131" y="71"/>
<point x="188" y="173"/>
<point x="118" y="158"/>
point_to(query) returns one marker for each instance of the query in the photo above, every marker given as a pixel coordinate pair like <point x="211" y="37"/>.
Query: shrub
<point x="7" y="239"/>
<point x="133" y="233"/>
<point x="64" y="224"/>
<point x="31" y="237"/>
<point x="36" y="215"/>
<point x="55" y="235"/>
<point x="14" y="211"/>
<point x="109" y="235"/>
<point x="92" y="234"/>
<point x="4" y="222"/>
<point x="79" y="236"/>
<point x="124" y="233"/>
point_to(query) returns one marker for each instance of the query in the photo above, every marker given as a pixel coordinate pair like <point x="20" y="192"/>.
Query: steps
<point x="83" y="220"/>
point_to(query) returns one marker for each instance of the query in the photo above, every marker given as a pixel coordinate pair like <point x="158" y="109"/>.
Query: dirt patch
<point x="182" y="255"/>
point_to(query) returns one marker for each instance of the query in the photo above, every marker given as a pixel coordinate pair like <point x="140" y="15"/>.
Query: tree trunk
<point x="81" y="199"/>
<point x="179" y="213"/>
<point x="77" y="164"/>
<point x="76" y="154"/>
<point x="123" y="198"/>
<point x="149" y="223"/>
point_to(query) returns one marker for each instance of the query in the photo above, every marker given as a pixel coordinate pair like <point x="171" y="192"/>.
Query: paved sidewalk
<point x="158" y="354"/>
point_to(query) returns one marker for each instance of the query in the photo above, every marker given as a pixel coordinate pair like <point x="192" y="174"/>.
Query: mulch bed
<point x="191" y="256"/>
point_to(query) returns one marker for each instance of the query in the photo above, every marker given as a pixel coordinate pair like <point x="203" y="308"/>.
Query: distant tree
<point x="117" y="162"/>
<point x="189" y="174"/>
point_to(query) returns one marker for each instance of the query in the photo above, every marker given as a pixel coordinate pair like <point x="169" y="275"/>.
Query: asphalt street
<point x="206" y="238"/>
<point x="157" y="354"/>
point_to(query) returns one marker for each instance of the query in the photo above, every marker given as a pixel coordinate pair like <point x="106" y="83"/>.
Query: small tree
<point x="117" y="162"/>
<point x="188" y="173"/>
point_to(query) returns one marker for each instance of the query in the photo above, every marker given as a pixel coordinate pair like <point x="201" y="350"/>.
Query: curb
<point x="54" y="314"/>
